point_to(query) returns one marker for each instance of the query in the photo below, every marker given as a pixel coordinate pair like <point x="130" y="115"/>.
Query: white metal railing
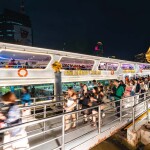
<point x="41" y="106"/>
<point x="47" y="104"/>
<point x="34" y="100"/>
<point x="138" y="106"/>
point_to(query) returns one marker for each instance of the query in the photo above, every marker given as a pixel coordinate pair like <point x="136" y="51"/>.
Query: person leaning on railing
<point x="118" y="95"/>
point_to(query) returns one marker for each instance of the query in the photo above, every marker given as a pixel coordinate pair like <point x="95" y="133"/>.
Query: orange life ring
<point x="22" y="72"/>
<point x="112" y="72"/>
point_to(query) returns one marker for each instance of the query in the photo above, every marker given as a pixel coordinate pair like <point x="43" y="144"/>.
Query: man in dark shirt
<point x="118" y="95"/>
<point x="138" y="87"/>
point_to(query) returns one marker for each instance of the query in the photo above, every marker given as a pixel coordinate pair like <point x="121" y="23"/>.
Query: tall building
<point x="15" y="27"/>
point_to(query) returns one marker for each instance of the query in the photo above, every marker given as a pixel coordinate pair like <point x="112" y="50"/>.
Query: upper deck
<point x="37" y="62"/>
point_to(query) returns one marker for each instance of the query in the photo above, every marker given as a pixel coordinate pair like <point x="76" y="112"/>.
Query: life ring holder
<point x="22" y="72"/>
<point x="112" y="72"/>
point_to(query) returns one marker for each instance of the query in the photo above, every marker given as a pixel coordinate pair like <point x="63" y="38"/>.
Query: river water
<point x="113" y="144"/>
<point x="106" y="146"/>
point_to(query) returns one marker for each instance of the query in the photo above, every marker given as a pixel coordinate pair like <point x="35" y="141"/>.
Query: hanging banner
<point x="128" y="71"/>
<point x="81" y="72"/>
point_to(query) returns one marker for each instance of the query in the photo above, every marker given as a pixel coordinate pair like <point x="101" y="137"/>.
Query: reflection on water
<point x="106" y="146"/>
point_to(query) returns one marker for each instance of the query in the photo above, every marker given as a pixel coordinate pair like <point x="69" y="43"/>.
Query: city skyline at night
<point x="77" y="26"/>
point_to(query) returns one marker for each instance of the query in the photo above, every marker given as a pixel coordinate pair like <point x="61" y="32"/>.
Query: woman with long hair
<point x="128" y="89"/>
<point x="84" y="100"/>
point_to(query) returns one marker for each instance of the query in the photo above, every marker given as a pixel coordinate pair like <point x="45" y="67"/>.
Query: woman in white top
<point x="68" y="107"/>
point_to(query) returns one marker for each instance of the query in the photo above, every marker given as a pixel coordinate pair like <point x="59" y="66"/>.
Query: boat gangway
<point x="48" y="132"/>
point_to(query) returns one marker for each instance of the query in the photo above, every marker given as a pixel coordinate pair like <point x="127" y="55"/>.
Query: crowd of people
<point x="77" y="100"/>
<point x="14" y="64"/>
<point x="100" y="95"/>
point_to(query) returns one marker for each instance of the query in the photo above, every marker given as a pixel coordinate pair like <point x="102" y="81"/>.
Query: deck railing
<point x="137" y="105"/>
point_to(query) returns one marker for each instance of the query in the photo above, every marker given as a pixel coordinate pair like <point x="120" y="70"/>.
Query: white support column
<point x="54" y="58"/>
<point x="96" y="64"/>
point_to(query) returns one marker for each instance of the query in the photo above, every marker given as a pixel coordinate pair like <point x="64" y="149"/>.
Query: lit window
<point x="14" y="22"/>
<point x="108" y="66"/>
<point x="26" y="60"/>
<point x="9" y="34"/>
<point x="76" y="64"/>
<point x="9" y="30"/>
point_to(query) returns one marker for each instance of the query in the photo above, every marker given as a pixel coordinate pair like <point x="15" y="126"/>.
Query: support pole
<point x="120" y="110"/>
<point x="63" y="132"/>
<point x="133" y="118"/>
<point x="58" y="86"/>
<point x="148" y="115"/>
<point x="99" y="119"/>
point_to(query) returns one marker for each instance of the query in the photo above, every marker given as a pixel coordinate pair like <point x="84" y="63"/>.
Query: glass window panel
<point x="144" y="67"/>
<point x="12" y="59"/>
<point x="112" y="66"/>
<point x="127" y="66"/>
<point x="108" y="66"/>
<point x="40" y="90"/>
<point x="76" y="64"/>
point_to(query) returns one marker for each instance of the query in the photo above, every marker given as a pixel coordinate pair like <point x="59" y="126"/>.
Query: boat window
<point x="102" y="66"/>
<point x="76" y="64"/>
<point x="12" y="59"/>
<point x="127" y="67"/>
<point x="112" y="66"/>
<point x="144" y="67"/>
<point x="40" y="90"/>
<point x="108" y="66"/>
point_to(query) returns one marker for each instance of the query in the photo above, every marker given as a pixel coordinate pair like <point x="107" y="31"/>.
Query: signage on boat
<point x="128" y="71"/>
<point x="81" y="72"/>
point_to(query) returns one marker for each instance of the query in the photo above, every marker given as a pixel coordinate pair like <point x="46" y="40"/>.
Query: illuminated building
<point x="15" y="27"/>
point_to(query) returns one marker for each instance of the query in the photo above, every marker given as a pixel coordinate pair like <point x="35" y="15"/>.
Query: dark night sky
<point x="122" y="25"/>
